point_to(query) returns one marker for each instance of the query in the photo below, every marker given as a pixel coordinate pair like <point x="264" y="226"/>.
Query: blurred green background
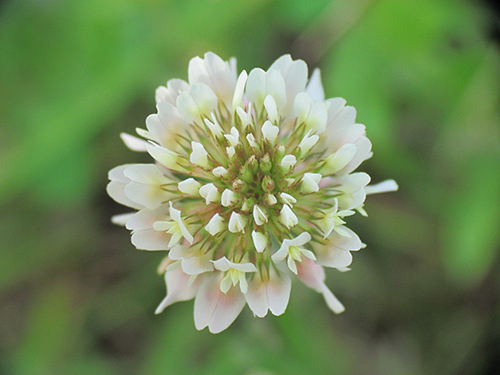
<point x="422" y="298"/>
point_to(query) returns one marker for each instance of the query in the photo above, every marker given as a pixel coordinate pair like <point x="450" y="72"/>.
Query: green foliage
<point x="76" y="298"/>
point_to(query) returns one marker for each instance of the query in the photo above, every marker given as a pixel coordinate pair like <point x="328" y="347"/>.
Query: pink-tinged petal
<point x="332" y="302"/>
<point x="206" y="301"/>
<point x="278" y="292"/>
<point x="150" y="239"/>
<point x="256" y="296"/>
<point x="178" y="288"/>
<point x="229" y="307"/>
<point x="313" y="276"/>
<point x="215" y="309"/>
<point x="272" y="294"/>
<point x="197" y="264"/>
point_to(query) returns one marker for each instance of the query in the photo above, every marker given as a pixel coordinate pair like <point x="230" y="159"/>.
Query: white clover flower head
<point x="248" y="170"/>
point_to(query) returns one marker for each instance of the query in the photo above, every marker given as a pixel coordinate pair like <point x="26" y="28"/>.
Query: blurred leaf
<point x="472" y="217"/>
<point x="49" y="335"/>
<point x="175" y="344"/>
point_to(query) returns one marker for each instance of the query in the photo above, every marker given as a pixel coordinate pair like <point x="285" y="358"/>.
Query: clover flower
<point x="248" y="170"/>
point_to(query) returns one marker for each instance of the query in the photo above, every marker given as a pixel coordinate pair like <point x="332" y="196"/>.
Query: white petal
<point x="219" y="171"/>
<point x="272" y="110"/>
<point x="118" y="174"/>
<point x="210" y="193"/>
<point x="288" y="162"/>
<point x="270" y="199"/>
<point x="213" y="126"/>
<point x="237" y="223"/>
<point x="270" y="132"/>
<point x="310" y="183"/>
<point x="240" y="88"/>
<point x="259" y="215"/>
<point x="340" y="159"/>
<point x="199" y="156"/>
<point x="166" y="126"/>
<point x="259" y="241"/>
<point x="146" y="174"/>
<point x="300" y="240"/>
<point x="287" y="199"/>
<point x="256" y="89"/>
<point x="313" y="113"/>
<point x="335" y="258"/>
<point x="291" y="265"/>
<point x="145" y="218"/>
<point x="163" y="156"/>
<point x="228" y="198"/>
<point x="382" y="187"/>
<point x="190" y="186"/>
<point x="169" y="94"/>
<point x="116" y="190"/>
<point x="308" y="142"/>
<point x="230" y="151"/>
<point x="354" y="182"/>
<point x="233" y="137"/>
<point x="302" y="106"/>
<point x="314" y="87"/>
<point x="346" y="117"/>
<point x="251" y="141"/>
<point x="150" y="239"/>
<point x="122" y="218"/>
<point x="179" y="252"/>
<point x="133" y="143"/>
<point x="176" y="215"/>
<point x="308" y="254"/>
<point x="222" y="264"/>
<point x="287" y="217"/>
<point x="150" y="196"/>
<point x="215" y="225"/>
<point x="281" y="254"/>
<point x="276" y="87"/>
<point x="214" y="72"/>
<point x="294" y="74"/>
<point x="199" y="101"/>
